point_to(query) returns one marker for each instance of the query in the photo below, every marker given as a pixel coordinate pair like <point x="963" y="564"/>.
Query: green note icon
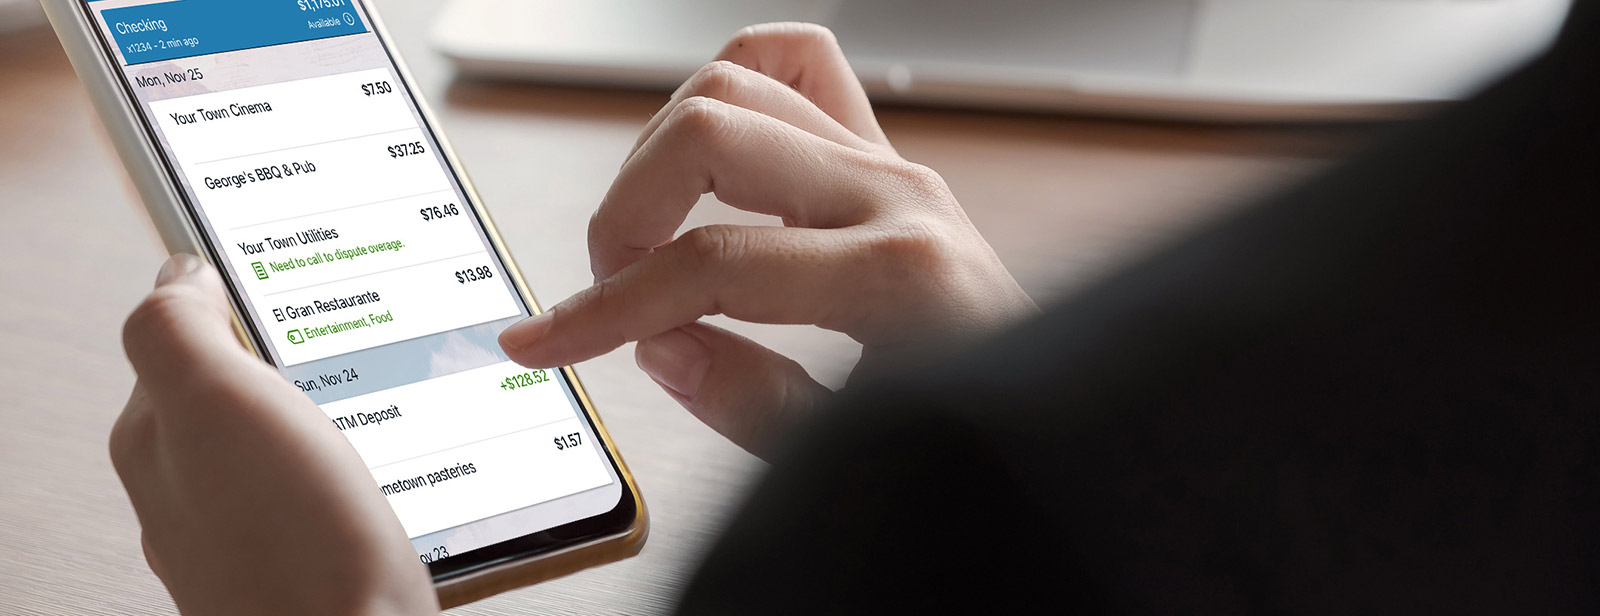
<point x="261" y="272"/>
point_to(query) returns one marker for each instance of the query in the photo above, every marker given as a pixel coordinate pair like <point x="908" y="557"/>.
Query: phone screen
<point x="353" y="252"/>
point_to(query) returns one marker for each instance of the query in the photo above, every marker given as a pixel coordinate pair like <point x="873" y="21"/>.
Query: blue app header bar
<point x="186" y="28"/>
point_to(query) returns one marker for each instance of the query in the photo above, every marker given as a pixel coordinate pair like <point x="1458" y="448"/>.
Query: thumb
<point x="741" y="389"/>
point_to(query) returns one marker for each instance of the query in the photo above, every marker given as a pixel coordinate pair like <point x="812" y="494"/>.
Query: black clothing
<point x="1377" y="392"/>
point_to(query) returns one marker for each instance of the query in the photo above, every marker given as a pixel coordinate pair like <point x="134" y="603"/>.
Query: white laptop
<point x="1239" y="60"/>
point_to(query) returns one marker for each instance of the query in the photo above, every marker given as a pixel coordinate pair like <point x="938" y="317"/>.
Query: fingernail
<point x="676" y="360"/>
<point x="176" y="267"/>
<point x="527" y="332"/>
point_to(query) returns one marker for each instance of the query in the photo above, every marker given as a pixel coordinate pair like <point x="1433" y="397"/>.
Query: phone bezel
<point x="623" y="520"/>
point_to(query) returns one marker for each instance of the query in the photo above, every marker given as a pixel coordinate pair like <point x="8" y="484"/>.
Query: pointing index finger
<point x="757" y="274"/>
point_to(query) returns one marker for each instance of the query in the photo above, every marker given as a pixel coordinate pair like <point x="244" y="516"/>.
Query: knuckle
<point x="793" y="30"/>
<point x="919" y="181"/>
<point x="133" y="435"/>
<point x="718" y="80"/>
<point x="159" y="314"/>
<point x="127" y="438"/>
<point x="596" y="226"/>
<point x="916" y="190"/>
<point x="699" y="118"/>
<point x="914" y="249"/>
<point x="744" y="35"/>
<point x="596" y="241"/>
<point x="819" y="35"/>
<point x="710" y="247"/>
<point x="751" y="35"/>
<point x="602" y="225"/>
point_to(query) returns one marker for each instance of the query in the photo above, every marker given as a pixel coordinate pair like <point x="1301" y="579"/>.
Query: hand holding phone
<point x="286" y="521"/>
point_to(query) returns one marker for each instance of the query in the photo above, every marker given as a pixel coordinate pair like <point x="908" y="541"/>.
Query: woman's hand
<point x="251" y="502"/>
<point x="872" y="245"/>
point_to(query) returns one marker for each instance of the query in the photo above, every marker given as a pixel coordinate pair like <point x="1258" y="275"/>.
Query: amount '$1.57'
<point x="568" y="441"/>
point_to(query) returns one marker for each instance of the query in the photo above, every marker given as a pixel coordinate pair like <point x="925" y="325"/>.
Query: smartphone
<point x="283" y="141"/>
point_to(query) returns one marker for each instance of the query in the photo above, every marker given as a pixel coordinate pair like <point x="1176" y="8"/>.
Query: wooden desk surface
<point x="1063" y="201"/>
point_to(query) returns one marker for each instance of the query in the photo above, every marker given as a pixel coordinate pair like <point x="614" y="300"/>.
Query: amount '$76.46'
<point x="439" y="211"/>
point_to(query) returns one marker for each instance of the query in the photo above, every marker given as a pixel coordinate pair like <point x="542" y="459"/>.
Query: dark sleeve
<point x="1377" y="392"/>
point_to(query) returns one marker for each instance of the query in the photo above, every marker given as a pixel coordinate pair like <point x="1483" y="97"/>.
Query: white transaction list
<point x="435" y="412"/>
<point x="342" y="226"/>
<point x="319" y="109"/>
<point x="349" y="234"/>
<point x="500" y="457"/>
<point x="341" y="173"/>
<point x="320" y="192"/>
<point x="399" y="304"/>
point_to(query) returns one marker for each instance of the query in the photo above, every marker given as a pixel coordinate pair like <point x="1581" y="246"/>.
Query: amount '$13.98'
<point x="481" y="272"/>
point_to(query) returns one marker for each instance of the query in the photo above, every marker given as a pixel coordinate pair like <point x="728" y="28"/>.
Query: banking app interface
<point x="332" y="211"/>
